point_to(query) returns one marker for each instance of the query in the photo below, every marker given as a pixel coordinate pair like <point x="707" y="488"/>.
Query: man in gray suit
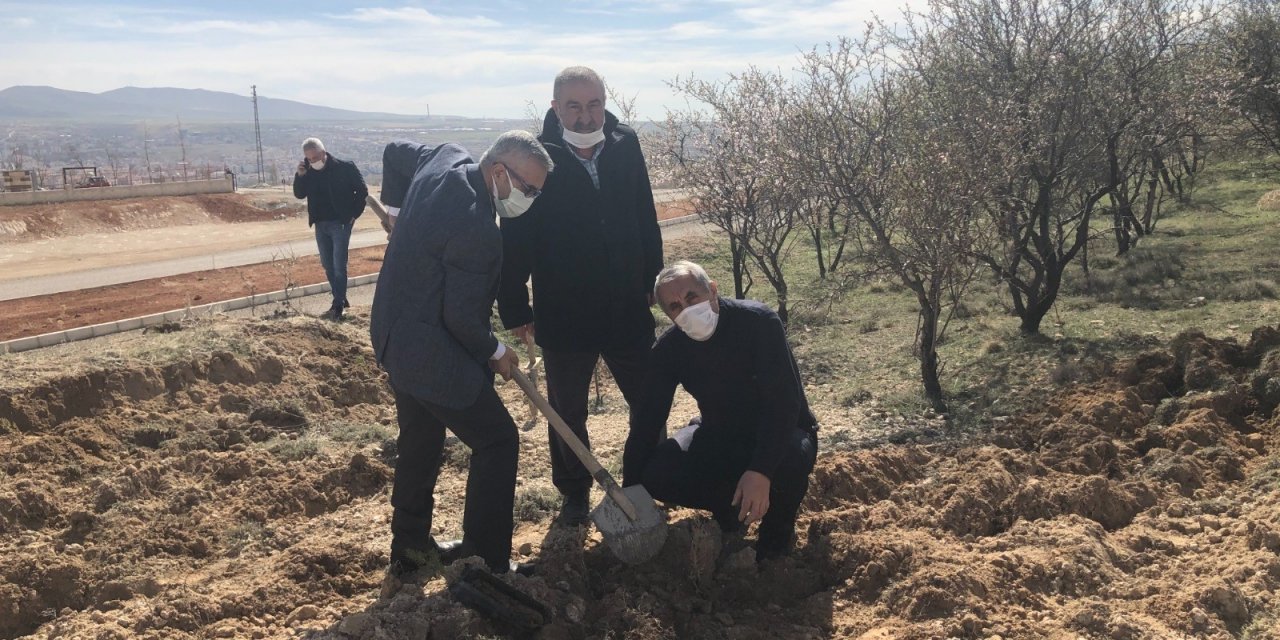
<point x="431" y="333"/>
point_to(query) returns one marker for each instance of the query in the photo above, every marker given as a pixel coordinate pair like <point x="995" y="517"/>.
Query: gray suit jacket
<point x="431" y="309"/>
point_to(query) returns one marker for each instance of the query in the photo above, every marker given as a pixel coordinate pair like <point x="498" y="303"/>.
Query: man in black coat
<point x="431" y="333"/>
<point x="592" y="246"/>
<point x="335" y="193"/>
<point x="747" y="456"/>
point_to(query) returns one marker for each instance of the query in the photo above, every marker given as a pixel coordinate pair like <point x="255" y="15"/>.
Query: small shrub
<point x="535" y="504"/>
<point x="1065" y="373"/>
<point x="242" y="536"/>
<point x="1252" y="289"/>
<point x="868" y="326"/>
<point x="855" y="398"/>
<point x="456" y="455"/>
<point x="359" y="433"/>
<point x="992" y="347"/>
<point x="294" y="450"/>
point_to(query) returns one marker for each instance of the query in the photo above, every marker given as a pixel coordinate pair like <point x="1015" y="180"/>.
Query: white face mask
<point x="516" y="203"/>
<point x="698" y="321"/>
<point x="584" y="140"/>
<point x="317" y="165"/>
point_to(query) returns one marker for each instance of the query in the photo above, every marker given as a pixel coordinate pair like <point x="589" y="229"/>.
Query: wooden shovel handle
<point x="584" y="454"/>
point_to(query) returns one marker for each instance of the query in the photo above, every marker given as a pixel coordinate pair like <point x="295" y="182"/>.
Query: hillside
<point x="136" y="103"/>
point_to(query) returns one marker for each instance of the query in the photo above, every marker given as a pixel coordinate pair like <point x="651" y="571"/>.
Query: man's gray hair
<point x="312" y="143"/>
<point x="680" y="270"/>
<point x="575" y="74"/>
<point x="514" y="144"/>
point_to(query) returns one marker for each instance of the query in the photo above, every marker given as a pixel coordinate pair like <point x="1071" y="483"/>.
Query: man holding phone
<point x="335" y="193"/>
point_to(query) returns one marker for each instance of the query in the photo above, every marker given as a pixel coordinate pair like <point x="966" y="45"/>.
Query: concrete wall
<point x="191" y="187"/>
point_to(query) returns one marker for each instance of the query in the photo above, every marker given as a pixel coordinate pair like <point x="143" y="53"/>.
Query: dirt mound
<point x="241" y="492"/>
<point x="34" y="222"/>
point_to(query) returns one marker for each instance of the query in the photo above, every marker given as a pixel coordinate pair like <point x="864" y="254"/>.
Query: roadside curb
<point x="670" y="222"/>
<point x="50" y="339"/>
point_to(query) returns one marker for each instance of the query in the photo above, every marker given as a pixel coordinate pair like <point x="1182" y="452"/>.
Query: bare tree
<point x="897" y="176"/>
<point x="729" y="160"/>
<point x="1052" y="77"/>
<point x="1250" y="61"/>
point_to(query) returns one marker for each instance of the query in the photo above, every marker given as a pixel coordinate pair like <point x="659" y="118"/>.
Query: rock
<point x="743" y="560"/>
<point x="526" y="549"/>
<point x="1199" y="617"/>
<point x="305" y="612"/>
<point x="725" y="619"/>
<point x="574" y="611"/>
<point x="357" y="624"/>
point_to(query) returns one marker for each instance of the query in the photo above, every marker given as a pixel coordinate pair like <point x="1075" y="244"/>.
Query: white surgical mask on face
<point x="698" y="321"/>
<point x="317" y="165"/>
<point x="584" y="140"/>
<point x="516" y="203"/>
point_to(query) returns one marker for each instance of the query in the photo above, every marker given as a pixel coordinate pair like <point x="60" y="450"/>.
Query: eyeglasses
<point x="527" y="189"/>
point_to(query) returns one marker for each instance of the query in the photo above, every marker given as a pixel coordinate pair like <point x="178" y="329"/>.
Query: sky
<point x="479" y="58"/>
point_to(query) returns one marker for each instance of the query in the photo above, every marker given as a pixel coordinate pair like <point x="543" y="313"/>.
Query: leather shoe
<point x="574" y="511"/>
<point x="453" y="550"/>
<point x="523" y="568"/>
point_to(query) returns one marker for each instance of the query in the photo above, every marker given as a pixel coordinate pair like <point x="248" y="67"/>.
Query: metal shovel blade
<point x="632" y="541"/>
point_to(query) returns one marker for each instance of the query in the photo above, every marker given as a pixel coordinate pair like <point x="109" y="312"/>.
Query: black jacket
<point x="593" y="254"/>
<point x="336" y="192"/>
<point x="745" y="380"/>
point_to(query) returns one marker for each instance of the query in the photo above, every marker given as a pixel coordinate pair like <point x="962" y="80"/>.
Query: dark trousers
<point x="705" y="477"/>
<point x="489" y="431"/>
<point x="568" y="390"/>
<point x="332" y="239"/>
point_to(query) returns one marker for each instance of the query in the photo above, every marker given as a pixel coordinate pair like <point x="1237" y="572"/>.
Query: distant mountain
<point x="136" y="103"/>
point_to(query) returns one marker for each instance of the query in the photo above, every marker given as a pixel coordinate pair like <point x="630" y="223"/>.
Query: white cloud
<point x="414" y="16"/>
<point x="696" y="29"/>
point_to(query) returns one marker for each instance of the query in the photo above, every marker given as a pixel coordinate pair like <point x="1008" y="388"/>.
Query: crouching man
<point x="748" y="455"/>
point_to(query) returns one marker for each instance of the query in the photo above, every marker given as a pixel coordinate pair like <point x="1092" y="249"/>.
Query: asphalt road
<point x="43" y="285"/>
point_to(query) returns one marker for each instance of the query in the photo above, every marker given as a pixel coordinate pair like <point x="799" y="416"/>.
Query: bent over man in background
<point x="431" y="332"/>
<point x="335" y="193"/>
<point x="748" y="455"/>
<point x="593" y="247"/>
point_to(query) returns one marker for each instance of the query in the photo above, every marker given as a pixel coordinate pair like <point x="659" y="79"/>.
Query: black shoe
<point x="452" y="551"/>
<point x="334" y="314"/>
<point x="407" y="561"/>
<point x="346" y="304"/>
<point x="773" y="550"/>
<point x="574" y="511"/>
<point x="526" y="569"/>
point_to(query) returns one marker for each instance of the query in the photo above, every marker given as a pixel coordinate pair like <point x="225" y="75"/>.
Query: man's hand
<point x="506" y="364"/>
<point x="753" y="496"/>
<point x="302" y="168"/>
<point x="524" y="332"/>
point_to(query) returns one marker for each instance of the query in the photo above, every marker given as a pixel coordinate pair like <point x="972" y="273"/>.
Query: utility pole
<point x="257" y="132"/>
<point x="182" y="140"/>
<point x="146" y="151"/>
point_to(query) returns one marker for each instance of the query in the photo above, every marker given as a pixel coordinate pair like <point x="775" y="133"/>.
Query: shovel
<point x="628" y="518"/>
<point x="383" y="216"/>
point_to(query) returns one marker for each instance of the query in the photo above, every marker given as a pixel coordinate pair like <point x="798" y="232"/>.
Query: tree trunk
<point x="816" y="232"/>
<point x="928" y="354"/>
<point x="739" y="267"/>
